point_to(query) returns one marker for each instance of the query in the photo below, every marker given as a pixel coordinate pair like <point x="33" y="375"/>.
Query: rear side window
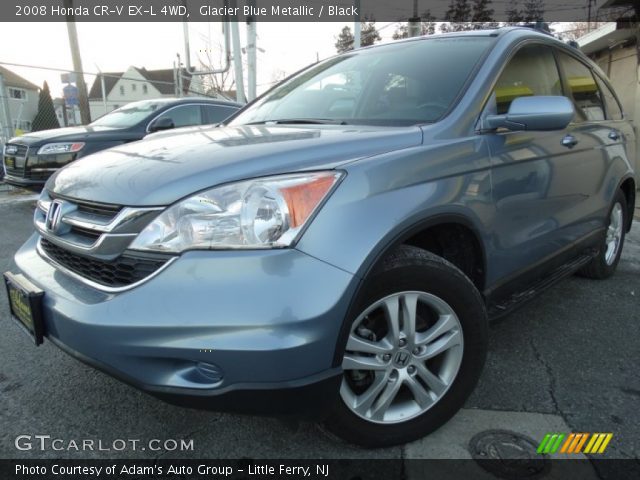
<point x="532" y="71"/>
<point x="614" y="112"/>
<point x="584" y="89"/>
<point x="216" y="114"/>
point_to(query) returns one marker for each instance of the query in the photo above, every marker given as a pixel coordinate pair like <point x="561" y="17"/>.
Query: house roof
<point x="604" y="37"/>
<point x="12" y="79"/>
<point x="160" y="79"/>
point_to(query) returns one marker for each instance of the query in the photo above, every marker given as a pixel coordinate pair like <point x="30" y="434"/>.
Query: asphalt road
<point x="572" y="352"/>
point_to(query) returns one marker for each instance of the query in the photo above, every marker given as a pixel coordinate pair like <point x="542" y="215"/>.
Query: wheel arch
<point x="405" y="236"/>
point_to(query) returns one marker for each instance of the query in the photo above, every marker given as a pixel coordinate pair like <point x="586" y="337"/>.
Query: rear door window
<point x="531" y="71"/>
<point x="582" y="86"/>
<point x="216" y="113"/>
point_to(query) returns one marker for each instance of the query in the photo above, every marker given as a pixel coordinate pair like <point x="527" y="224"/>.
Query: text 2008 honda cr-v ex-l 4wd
<point x="340" y="244"/>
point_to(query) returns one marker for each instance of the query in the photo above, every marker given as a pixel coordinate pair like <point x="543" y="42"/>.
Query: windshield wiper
<point x="301" y="121"/>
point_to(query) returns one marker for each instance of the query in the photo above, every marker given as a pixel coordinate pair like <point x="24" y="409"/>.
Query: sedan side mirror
<point x="163" y="123"/>
<point x="534" y="113"/>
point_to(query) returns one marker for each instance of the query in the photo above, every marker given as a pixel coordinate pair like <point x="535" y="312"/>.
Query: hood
<point x="161" y="170"/>
<point x="69" y="134"/>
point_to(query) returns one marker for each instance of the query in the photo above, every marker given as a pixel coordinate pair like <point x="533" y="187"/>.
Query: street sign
<point x="68" y="77"/>
<point x="70" y="93"/>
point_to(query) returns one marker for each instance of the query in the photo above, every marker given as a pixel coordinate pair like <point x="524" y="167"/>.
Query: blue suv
<point x="338" y="246"/>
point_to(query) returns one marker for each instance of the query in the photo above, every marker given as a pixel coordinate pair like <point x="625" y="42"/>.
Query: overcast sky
<point x="285" y="47"/>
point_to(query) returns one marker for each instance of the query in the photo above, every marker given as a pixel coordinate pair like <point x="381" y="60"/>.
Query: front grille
<point x="20" y="152"/>
<point x="121" y="272"/>
<point x="14" y="172"/>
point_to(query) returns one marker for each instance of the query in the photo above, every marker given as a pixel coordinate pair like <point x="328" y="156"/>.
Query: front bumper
<point x="251" y="331"/>
<point x="24" y="182"/>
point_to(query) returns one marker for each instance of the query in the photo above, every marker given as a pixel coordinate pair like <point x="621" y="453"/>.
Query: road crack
<point x="552" y="379"/>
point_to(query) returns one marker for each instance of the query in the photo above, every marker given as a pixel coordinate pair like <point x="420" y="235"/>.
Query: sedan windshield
<point x="397" y="84"/>
<point x="129" y="115"/>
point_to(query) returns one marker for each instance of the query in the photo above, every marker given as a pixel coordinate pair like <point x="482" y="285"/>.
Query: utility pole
<point x="251" y="55"/>
<point x="85" y="115"/>
<point x="414" y="22"/>
<point x="357" y="26"/>
<point x="7" y="130"/>
<point x="103" y="88"/>
<point x="237" y="61"/>
<point x="187" y="48"/>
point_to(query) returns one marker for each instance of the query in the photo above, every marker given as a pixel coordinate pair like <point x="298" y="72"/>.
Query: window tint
<point x="216" y="114"/>
<point x="394" y="84"/>
<point x="532" y="71"/>
<point x="614" y="112"/>
<point x="586" y="95"/>
<point x="184" y="116"/>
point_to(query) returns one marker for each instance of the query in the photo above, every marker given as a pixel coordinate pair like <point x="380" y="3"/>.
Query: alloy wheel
<point x="402" y="355"/>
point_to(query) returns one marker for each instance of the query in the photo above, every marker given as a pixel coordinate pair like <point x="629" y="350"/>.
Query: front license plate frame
<point x="25" y="305"/>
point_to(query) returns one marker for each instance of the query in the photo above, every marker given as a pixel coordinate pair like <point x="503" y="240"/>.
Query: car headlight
<point x="266" y="212"/>
<point x="53" y="148"/>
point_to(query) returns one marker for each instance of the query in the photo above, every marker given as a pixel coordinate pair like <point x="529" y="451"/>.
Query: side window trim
<point x="600" y="79"/>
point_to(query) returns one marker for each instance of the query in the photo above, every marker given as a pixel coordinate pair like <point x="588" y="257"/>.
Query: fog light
<point x="212" y="372"/>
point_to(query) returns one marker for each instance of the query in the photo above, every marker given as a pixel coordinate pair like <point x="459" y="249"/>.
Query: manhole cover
<point x="508" y="454"/>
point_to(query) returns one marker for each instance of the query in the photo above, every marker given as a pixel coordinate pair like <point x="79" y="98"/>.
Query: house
<point x="614" y="47"/>
<point x="22" y="97"/>
<point x="136" y="84"/>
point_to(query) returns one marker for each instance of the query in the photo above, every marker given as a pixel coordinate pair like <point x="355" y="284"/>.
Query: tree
<point x="457" y="17"/>
<point x="46" y="117"/>
<point x="462" y="15"/>
<point x="532" y="11"/>
<point x="427" y="26"/>
<point x="576" y="30"/>
<point x="218" y="84"/>
<point x="482" y="16"/>
<point x="368" y="36"/>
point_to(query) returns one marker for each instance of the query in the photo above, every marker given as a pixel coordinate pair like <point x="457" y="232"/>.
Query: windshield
<point x="129" y="115"/>
<point x="397" y="84"/>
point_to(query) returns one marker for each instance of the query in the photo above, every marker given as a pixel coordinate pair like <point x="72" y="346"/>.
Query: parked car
<point x="338" y="246"/>
<point x="31" y="159"/>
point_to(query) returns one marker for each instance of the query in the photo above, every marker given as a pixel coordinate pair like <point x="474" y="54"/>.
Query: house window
<point x="145" y="89"/>
<point x="133" y="87"/>
<point x="122" y="90"/>
<point x="17" y="93"/>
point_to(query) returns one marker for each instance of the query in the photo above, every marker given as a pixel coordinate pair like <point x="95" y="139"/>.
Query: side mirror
<point x="163" y="123"/>
<point x="534" y="113"/>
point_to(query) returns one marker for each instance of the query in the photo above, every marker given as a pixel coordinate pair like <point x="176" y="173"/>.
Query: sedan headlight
<point x="266" y="212"/>
<point x="53" y="148"/>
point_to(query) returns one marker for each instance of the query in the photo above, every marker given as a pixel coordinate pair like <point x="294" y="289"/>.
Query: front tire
<point x="414" y="353"/>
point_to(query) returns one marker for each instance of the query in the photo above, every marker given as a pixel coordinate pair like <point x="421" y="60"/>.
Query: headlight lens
<point x="53" y="148"/>
<point x="262" y="213"/>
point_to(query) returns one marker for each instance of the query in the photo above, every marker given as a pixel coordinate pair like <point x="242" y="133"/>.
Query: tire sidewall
<point x="436" y="276"/>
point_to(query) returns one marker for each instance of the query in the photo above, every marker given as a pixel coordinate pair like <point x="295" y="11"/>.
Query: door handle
<point x="569" y="141"/>
<point x="614" y="135"/>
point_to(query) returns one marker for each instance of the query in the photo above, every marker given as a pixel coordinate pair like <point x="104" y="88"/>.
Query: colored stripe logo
<point x="592" y="443"/>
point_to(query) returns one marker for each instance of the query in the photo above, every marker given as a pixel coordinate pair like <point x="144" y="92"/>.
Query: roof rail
<point x="542" y="27"/>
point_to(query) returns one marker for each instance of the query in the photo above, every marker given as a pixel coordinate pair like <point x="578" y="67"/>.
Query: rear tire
<point x="605" y="263"/>
<point x="401" y="383"/>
